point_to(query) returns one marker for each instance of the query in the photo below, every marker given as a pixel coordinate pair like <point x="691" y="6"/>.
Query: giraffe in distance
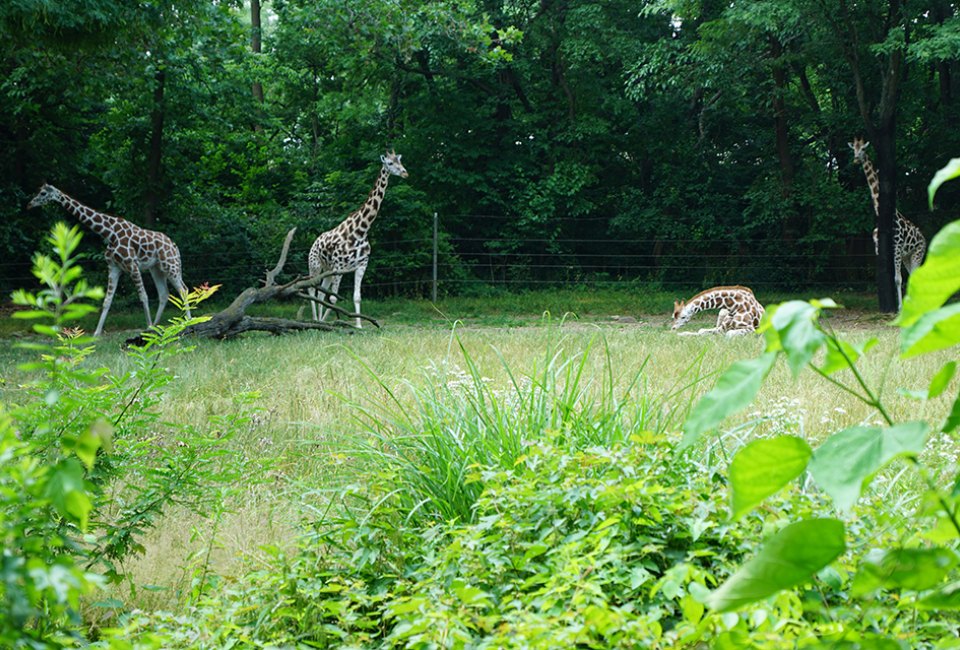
<point x="909" y="244"/>
<point x="130" y="249"/>
<point x="346" y="248"/>
<point x="739" y="314"/>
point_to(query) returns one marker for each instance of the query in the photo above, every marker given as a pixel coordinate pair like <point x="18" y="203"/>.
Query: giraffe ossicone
<point x="909" y="244"/>
<point x="129" y="249"/>
<point x="346" y="248"/>
<point x="740" y="312"/>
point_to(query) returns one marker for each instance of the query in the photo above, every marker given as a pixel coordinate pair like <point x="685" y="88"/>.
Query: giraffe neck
<point x="873" y="182"/>
<point x="105" y="225"/>
<point x="712" y="300"/>
<point x="361" y="220"/>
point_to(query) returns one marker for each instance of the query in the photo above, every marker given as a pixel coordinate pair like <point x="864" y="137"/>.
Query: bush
<point x="87" y="468"/>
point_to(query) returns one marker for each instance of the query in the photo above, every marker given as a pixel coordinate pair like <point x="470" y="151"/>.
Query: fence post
<point x="435" y="246"/>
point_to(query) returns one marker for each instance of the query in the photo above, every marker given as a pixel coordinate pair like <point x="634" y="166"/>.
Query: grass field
<point x="317" y="392"/>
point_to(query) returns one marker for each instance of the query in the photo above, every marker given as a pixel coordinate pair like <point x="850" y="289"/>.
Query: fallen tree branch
<point x="233" y="320"/>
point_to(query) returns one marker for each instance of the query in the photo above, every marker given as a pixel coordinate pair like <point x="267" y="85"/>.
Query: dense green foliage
<point x="682" y="142"/>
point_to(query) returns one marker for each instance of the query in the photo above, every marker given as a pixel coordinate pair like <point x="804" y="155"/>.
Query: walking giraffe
<point x="130" y="249"/>
<point x="345" y="248"/>
<point x="740" y="313"/>
<point x="909" y="244"/>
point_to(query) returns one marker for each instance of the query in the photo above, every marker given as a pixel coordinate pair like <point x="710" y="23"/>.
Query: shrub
<point x="87" y="468"/>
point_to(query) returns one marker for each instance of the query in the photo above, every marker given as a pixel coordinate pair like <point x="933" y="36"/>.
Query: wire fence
<point x="453" y="265"/>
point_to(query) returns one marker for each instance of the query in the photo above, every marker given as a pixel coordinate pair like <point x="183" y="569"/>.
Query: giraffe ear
<point x="383" y="159"/>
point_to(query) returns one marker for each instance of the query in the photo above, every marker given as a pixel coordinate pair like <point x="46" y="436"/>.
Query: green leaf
<point x="735" y="389"/>
<point x="844" y="463"/>
<point x="66" y="490"/>
<point x="787" y="559"/>
<point x="936" y="280"/>
<point x="904" y="568"/>
<point x="946" y="598"/>
<point x="933" y="331"/>
<point x="91" y="440"/>
<point x="953" y="420"/>
<point x="763" y="467"/>
<point x="952" y="170"/>
<point x="859" y="641"/>
<point x="942" y="379"/>
<point x="842" y="355"/>
<point x="795" y="325"/>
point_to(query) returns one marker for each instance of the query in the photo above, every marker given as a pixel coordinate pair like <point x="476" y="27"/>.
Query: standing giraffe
<point x="740" y="313"/>
<point x="345" y="248"/>
<point x="909" y="244"/>
<point x="130" y="248"/>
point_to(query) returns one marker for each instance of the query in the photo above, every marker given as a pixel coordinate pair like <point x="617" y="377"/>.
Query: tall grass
<point x="458" y="420"/>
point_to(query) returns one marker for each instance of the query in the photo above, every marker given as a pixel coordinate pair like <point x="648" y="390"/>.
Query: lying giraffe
<point x="130" y="249"/>
<point x="740" y="313"/>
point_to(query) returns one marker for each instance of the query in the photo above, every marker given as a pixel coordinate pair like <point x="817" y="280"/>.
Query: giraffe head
<point x="859" y="146"/>
<point x="46" y="194"/>
<point x="391" y="162"/>
<point x="679" y="320"/>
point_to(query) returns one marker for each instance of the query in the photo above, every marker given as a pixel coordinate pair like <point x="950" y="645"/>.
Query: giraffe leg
<point x="331" y="285"/>
<point x="898" y="281"/>
<point x="314" y="314"/>
<point x="142" y="292"/>
<point x="112" y="280"/>
<point x="357" y="279"/>
<point x="163" y="293"/>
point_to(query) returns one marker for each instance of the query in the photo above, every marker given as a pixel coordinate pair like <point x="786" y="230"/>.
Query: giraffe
<point x="909" y="245"/>
<point x="345" y="248"/>
<point x="130" y="249"/>
<point x="740" y="313"/>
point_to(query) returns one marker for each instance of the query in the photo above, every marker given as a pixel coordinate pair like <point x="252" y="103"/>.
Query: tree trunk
<point x="886" y="215"/>
<point x="155" y="152"/>
<point x="256" y="45"/>
<point x="780" y="117"/>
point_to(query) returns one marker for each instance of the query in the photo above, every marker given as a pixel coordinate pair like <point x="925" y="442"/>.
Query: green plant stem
<point x="933" y="488"/>
<point x="870" y="398"/>
<point x="874" y="401"/>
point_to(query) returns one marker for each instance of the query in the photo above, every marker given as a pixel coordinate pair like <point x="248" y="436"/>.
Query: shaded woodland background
<point x="681" y="143"/>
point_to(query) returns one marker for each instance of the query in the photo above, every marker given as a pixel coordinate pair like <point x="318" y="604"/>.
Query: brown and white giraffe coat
<point x="740" y="312"/>
<point x="345" y="248"/>
<point x="909" y="244"/>
<point x="129" y="248"/>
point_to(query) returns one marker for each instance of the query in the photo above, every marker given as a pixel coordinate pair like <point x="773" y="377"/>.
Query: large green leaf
<point x="946" y="598"/>
<point x="937" y="279"/>
<point x="953" y="419"/>
<point x="847" y="459"/>
<point x="67" y="491"/>
<point x="735" y="389"/>
<point x="952" y="170"/>
<point x="787" y="559"/>
<point x="763" y="467"/>
<point x="797" y="334"/>
<point x="903" y="568"/>
<point x="941" y="380"/>
<point x="935" y="330"/>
